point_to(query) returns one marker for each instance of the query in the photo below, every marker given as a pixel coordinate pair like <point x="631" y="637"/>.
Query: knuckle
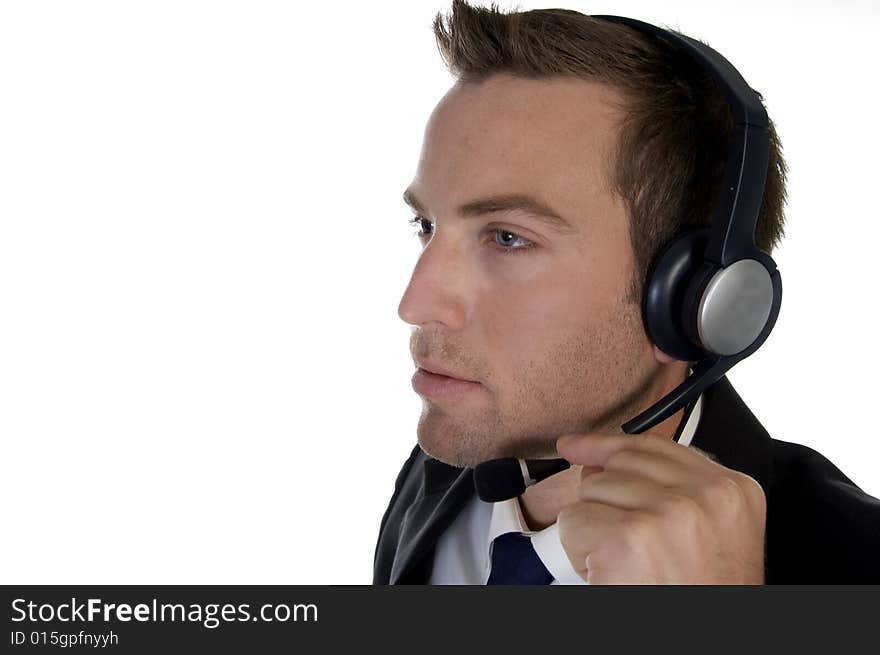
<point x="682" y="514"/>
<point x="705" y="454"/>
<point x="568" y="522"/>
<point x="679" y="505"/>
<point x="565" y="534"/>
<point x="752" y="490"/>
<point x="589" y="483"/>
<point x="642" y="441"/>
<point x="564" y="516"/>
<point x="636" y="528"/>
<point x="722" y="493"/>
<point x="618" y="458"/>
<point x="656" y="443"/>
<point x="587" y="471"/>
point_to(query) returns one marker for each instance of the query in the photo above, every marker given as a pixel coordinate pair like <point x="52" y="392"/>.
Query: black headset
<point x="711" y="296"/>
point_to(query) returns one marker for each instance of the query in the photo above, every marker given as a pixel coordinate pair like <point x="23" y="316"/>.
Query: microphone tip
<point x="499" y="479"/>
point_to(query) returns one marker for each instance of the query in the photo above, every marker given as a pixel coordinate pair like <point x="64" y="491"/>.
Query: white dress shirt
<point x="464" y="551"/>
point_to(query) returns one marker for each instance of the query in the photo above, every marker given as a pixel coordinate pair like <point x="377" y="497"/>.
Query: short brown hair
<point x="671" y="148"/>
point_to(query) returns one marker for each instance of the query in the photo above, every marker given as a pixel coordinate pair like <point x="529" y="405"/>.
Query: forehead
<point x="554" y="138"/>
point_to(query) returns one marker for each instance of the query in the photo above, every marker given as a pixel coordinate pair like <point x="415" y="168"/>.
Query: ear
<point x="662" y="357"/>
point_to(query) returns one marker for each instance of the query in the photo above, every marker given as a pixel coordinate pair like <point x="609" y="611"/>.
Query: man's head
<point x="624" y="144"/>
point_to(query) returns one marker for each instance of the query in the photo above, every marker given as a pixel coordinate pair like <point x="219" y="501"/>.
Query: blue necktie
<point x="514" y="561"/>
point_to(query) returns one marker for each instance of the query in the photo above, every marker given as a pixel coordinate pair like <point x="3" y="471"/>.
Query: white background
<point x="203" y="378"/>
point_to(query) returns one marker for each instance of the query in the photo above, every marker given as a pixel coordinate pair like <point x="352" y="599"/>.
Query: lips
<point x="438" y="369"/>
<point x="440" y="387"/>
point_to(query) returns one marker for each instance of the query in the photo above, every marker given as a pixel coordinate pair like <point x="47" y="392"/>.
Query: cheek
<point x="521" y="320"/>
<point x="532" y="306"/>
<point x="572" y="314"/>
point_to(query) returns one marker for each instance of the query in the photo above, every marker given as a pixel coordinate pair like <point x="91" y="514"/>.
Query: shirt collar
<point x="691" y="419"/>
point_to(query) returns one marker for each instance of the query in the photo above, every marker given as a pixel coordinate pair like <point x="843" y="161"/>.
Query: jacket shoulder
<point x="405" y="489"/>
<point x="821" y="527"/>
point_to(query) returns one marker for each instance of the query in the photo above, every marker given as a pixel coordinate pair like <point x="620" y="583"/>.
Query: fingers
<point x="596" y="449"/>
<point x="621" y="490"/>
<point x="658" y="468"/>
<point x="651" y="510"/>
<point x="584" y="530"/>
<point x="590" y="449"/>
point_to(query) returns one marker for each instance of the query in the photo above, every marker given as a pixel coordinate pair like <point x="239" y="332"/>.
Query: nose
<point x="437" y="290"/>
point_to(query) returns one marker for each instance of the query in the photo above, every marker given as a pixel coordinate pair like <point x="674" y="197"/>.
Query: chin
<point x="463" y="447"/>
<point x="447" y="451"/>
<point x="462" y="456"/>
<point x="452" y="444"/>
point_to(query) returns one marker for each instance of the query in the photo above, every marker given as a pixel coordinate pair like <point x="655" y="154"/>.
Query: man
<point x="569" y="151"/>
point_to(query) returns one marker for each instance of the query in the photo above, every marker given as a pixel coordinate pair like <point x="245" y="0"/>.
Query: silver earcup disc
<point x="735" y="307"/>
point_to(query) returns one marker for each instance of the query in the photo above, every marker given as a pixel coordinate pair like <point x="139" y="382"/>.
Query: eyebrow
<point x="502" y="203"/>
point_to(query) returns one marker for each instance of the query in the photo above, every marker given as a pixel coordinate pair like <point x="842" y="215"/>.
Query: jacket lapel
<point x="444" y="493"/>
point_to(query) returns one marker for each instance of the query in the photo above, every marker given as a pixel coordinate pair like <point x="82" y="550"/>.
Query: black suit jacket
<point x="821" y="528"/>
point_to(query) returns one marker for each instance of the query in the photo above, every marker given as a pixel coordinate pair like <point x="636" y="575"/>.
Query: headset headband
<point x="747" y="154"/>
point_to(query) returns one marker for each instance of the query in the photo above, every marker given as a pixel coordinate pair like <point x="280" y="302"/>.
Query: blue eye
<point x="504" y="240"/>
<point x="507" y="240"/>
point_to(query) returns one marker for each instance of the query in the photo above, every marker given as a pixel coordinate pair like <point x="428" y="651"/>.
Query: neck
<point x="542" y="502"/>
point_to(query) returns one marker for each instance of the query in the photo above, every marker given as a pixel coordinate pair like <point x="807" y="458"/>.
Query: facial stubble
<point x="591" y="378"/>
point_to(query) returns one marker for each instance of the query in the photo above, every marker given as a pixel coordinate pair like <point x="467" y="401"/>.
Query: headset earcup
<point x="730" y="306"/>
<point x="665" y="295"/>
